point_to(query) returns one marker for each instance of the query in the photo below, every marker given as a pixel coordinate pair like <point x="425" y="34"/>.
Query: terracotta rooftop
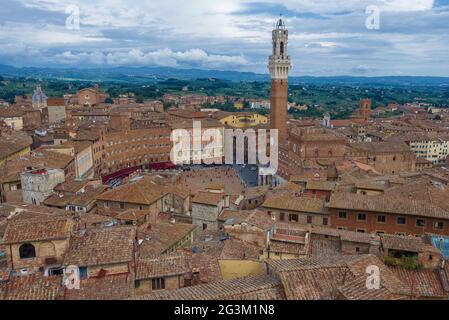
<point x="202" y="267"/>
<point x="403" y="243"/>
<point x="287" y="247"/>
<point x="345" y="235"/>
<point x="86" y="135"/>
<point x="111" y="287"/>
<point x="256" y="217"/>
<point x="92" y="219"/>
<point x="299" y="204"/>
<point x="51" y="158"/>
<point x="424" y="189"/>
<point x="53" y="101"/>
<point x="381" y="147"/>
<point x="424" y="283"/>
<point x="37" y="159"/>
<point x="157" y="238"/>
<point x="187" y="124"/>
<point x="215" y="186"/>
<point x="255" y="192"/>
<point x="38" y="229"/>
<point x="247" y="288"/>
<point x="370" y="185"/>
<point x="385" y="204"/>
<point x="33" y="287"/>
<point x="77" y="199"/>
<point x="87" y="197"/>
<point x="225" y="247"/>
<point x="325" y="278"/>
<point x="234" y="249"/>
<point x="78" y="145"/>
<point x="320" y="185"/>
<point x="13" y="211"/>
<point x="95" y="247"/>
<point x="310" y="263"/>
<point x="324" y="247"/>
<point x="208" y="198"/>
<point x="322" y="136"/>
<point x="135" y="214"/>
<point x="162" y="266"/>
<point x="143" y="191"/>
<point x="13" y="111"/>
<point x="11" y="144"/>
<point x="356" y="289"/>
<point x="209" y="242"/>
<point x="71" y="185"/>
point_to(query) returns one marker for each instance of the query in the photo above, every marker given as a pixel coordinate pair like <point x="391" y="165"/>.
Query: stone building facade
<point x="206" y="207"/>
<point x="91" y="96"/>
<point x="383" y="214"/>
<point x="37" y="185"/>
<point x="385" y="157"/>
<point x="129" y="145"/>
<point x="37" y="243"/>
<point x="317" y="144"/>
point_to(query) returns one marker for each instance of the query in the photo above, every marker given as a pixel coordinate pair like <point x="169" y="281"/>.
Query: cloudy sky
<point x="327" y="37"/>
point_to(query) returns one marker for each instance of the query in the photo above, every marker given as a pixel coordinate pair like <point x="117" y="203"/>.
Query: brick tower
<point x="279" y="65"/>
<point x="365" y="109"/>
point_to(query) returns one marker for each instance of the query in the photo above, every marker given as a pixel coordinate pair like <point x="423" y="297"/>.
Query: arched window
<point x="27" y="251"/>
<point x="282" y="48"/>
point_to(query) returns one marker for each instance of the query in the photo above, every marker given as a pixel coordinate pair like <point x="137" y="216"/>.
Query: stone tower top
<point x="280" y="24"/>
<point x="279" y="62"/>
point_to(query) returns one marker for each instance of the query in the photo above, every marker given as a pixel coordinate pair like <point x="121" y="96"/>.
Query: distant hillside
<point x="378" y="81"/>
<point x="154" y="74"/>
<point x="128" y="74"/>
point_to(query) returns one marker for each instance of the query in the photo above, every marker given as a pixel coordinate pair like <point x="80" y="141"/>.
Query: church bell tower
<point x="279" y="64"/>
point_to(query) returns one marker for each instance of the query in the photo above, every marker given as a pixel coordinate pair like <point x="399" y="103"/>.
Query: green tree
<point x="168" y="105"/>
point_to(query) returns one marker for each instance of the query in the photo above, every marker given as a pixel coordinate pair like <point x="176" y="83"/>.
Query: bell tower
<point x="279" y="64"/>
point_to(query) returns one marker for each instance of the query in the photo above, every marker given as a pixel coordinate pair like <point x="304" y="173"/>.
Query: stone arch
<point x="47" y="249"/>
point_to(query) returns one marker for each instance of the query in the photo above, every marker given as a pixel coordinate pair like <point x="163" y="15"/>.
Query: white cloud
<point x="164" y="57"/>
<point x="336" y="6"/>
<point x="406" y="5"/>
<point x="210" y="34"/>
<point x="47" y="35"/>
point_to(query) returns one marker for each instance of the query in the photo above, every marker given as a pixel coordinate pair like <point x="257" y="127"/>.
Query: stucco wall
<point x="232" y="269"/>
